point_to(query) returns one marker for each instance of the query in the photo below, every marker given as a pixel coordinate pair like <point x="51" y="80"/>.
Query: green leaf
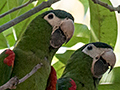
<point x="65" y="56"/>
<point x="111" y="81"/>
<point x="2" y="4"/>
<point x="109" y="87"/>
<point x="59" y="68"/>
<point x="3" y="41"/>
<point x="81" y="30"/>
<point x="21" y="27"/>
<point x="3" y="9"/>
<point x="103" y="24"/>
<point x="85" y="4"/>
<point x="15" y="32"/>
<point x="81" y="34"/>
<point x="9" y="37"/>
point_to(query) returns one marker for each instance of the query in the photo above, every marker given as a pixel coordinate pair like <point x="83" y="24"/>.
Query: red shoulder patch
<point x="9" y="60"/>
<point x="52" y="80"/>
<point x="73" y="87"/>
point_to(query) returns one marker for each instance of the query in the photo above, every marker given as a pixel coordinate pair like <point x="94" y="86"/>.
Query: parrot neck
<point x="36" y="39"/>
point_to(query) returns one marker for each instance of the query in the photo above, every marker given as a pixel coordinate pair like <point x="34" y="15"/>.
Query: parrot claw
<point x="13" y="82"/>
<point x="9" y="60"/>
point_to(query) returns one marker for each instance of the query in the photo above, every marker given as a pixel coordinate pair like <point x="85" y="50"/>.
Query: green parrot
<point x="38" y="44"/>
<point x="86" y="66"/>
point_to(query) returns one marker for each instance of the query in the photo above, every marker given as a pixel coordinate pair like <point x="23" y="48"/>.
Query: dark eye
<point x="67" y="18"/>
<point x="96" y="58"/>
<point x="89" y="47"/>
<point x="50" y="16"/>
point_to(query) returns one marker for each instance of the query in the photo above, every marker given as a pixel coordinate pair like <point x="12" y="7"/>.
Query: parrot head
<point x="103" y="57"/>
<point x="62" y="26"/>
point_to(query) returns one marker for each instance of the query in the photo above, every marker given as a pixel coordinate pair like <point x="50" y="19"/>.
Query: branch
<point x="27" y="14"/>
<point x="31" y="73"/>
<point x="17" y="8"/>
<point x="111" y="8"/>
<point x="11" y="84"/>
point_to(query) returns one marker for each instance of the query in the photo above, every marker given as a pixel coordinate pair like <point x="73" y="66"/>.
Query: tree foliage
<point x="103" y="28"/>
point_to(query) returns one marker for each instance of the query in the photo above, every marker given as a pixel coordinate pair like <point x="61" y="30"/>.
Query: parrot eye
<point x="96" y="57"/>
<point x="50" y="16"/>
<point x="89" y="47"/>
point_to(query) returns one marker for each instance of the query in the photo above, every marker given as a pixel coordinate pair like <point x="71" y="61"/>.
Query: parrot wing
<point x="60" y="84"/>
<point x="6" y="65"/>
<point x="66" y="84"/>
<point x="87" y="65"/>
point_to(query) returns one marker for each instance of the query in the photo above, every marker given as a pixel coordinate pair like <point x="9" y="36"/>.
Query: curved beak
<point x="110" y="58"/>
<point x="100" y="66"/>
<point x="62" y="33"/>
<point x="67" y="26"/>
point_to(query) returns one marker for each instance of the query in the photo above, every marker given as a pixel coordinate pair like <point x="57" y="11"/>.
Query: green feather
<point x="32" y="48"/>
<point x="5" y="70"/>
<point x="78" y="68"/>
<point x="64" y="83"/>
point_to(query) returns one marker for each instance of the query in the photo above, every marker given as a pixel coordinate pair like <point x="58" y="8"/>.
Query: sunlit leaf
<point x="103" y="28"/>
<point x="9" y="37"/>
<point x="111" y="81"/>
<point x="59" y="68"/>
<point x="81" y="34"/>
<point x="85" y="4"/>
<point x="3" y="9"/>
<point x="21" y="27"/>
<point x="103" y="24"/>
<point x="3" y="41"/>
<point x="65" y="56"/>
<point x="14" y="33"/>
<point x="2" y="4"/>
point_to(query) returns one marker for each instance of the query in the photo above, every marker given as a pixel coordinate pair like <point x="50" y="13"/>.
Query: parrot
<point x="86" y="66"/>
<point x="43" y="37"/>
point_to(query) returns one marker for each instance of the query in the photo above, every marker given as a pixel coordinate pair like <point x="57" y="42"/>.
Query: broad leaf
<point x="13" y="34"/>
<point x="65" y="56"/>
<point x="59" y="68"/>
<point x="81" y="34"/>
<point x="9" y="36"/>
<point x="103" y="24"/>
<point x="3" y="41"/>
<point x="85" y="4"/>
<point x="111" y="81"/>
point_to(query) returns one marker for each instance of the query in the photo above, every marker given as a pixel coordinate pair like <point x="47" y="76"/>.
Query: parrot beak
<point x="62" y="33"/>
<point x="67" y="26"/>
<point x="102" y="64"/>
<point x="110" y="58"/>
